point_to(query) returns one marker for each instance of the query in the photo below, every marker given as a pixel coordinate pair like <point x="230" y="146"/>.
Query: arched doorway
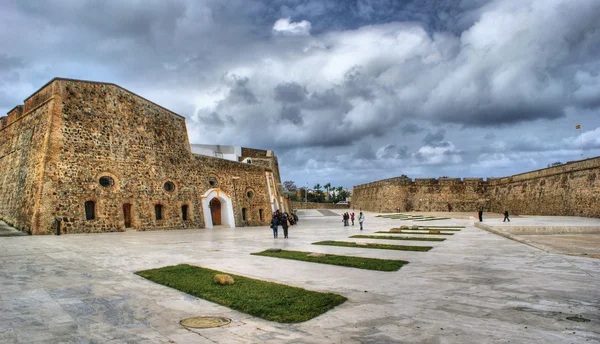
<point x="217" y="208"/>
<point x="215" y="211"/>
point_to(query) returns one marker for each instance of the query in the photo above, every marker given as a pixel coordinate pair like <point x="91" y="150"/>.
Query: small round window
<point x="169" y="186"/>
<point x="213" y="182"/>
<point x="106" y="181"/>
<point x="250" y="194"/>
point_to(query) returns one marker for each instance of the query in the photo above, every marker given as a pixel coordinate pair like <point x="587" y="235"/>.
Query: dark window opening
<point x="213" y="182"/>
<point x="260" y="214"/>
<point x="90" y="210"/>
<point x="243" y="214"/>
<point x="106" y="181"/>
<point x="250" y="194"/>
<point x="158" y="211"/>
<point x="169" y="186"/>
<point x="184" y="212"/>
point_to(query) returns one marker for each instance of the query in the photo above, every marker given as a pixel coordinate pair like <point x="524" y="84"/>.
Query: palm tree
<point x="339" y="190"/>
<point x="318" y="188"/>
<point x="327" y="187"/>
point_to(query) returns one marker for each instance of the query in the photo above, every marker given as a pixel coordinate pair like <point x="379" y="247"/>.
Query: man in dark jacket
<point x="506" y="216"/>
<point x="274" y="224"/>
<point x="284" y="224"/>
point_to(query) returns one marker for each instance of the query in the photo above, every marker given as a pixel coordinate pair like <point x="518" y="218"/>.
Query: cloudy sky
<point x="345" y="92"/>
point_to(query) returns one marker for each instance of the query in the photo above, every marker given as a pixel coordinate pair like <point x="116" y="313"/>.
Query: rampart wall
<point x="315" y="205"/>
<point x="569" y="189"/>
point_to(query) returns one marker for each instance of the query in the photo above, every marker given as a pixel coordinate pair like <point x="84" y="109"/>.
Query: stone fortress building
<point x="84" y="157"/>
<point x="571" y="189"/>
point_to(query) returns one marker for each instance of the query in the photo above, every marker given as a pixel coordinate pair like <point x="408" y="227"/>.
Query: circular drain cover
<point x="205" y="322"/>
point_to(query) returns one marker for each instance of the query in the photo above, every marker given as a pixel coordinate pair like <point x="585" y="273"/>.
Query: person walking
<point x="275" y="224"/>
<point x="285" y="224"/>
<point x="506" y="216"/>
<point x="361" y="219"/>
<point x="480" y="215"/>
<point x="352" y="218"/>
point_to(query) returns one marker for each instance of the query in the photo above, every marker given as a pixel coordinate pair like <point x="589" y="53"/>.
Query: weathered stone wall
<point x="569" y="189"/>
<point x="315" y="205"/>
<point x="76" y="132"/>
<point x="22" y="146"/>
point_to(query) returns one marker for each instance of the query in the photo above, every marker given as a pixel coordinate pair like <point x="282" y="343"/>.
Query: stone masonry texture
<point x="571" y="189"/>
<point x="56" y="146"/>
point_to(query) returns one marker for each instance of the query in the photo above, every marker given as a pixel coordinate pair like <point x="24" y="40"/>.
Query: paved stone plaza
<point x="475" y="287"/>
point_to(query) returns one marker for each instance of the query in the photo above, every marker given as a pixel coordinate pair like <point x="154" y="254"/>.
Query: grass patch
<point x="396" y="237"/>
<point x="426" y="229"/>
<point x="267" y="300"/>
<point x="419" y="233"/>
<point x="372" y="245"/>
<point x="354" y="262"/>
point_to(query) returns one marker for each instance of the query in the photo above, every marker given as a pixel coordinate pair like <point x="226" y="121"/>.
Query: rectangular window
<point x="158" y="211"/>
<point x="184" y="212"/>
<point x="260" y="214"/>
<point x="243" y="214"/>
<point x="90" y="210"/>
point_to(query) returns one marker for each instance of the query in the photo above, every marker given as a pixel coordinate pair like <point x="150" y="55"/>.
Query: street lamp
<point x="306" y="193"/>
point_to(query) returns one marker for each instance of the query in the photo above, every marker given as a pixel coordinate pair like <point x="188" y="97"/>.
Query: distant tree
<point x="289" y="185"/>
<point x="404" y="176"/>
<point x="557" y="163"/>
<point x="327" y="187"/>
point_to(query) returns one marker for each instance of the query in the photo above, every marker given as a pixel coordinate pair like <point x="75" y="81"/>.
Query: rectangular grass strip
<point x="266" y="300"/>
<point x="426" y="229"/>
<point x="332" y="259"/>
<point x="395" y="237"/>
<point x="419" y="233"/>
<point x="372" y="245"/>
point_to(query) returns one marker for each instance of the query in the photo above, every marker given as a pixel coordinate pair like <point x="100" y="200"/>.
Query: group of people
<point x="506" y="216"/>
<point x="346" y="217"/>
<point x="284" y="220"/>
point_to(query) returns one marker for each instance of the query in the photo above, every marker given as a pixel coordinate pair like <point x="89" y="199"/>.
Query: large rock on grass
<point x="223" y="279"/>
<point x="396" y="230"/>
<point x="414" y="227"/>
<point x="404" y="227"/>
<point x="434" y="231"/>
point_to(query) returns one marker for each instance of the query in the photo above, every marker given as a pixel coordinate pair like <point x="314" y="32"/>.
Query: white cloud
<point x="284" y="27"/>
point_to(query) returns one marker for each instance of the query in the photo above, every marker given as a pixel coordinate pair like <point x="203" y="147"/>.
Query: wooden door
<point x="127" y="214"/>
<point x="215" y="211"/>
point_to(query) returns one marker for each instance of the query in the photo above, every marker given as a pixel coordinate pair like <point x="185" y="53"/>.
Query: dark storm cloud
<point x="411" y="128"/>
<point x="240" y="92"/>
<point x="359" y="73"/>
<point x="290" y="92"/>
<point x="328" y="99"/>
<point x="292" y="114"/>
<point x="393" y="152"/>
<point x="8" y="63"/>
<point x="435" y="139"/>
<point x="364" y="152"/>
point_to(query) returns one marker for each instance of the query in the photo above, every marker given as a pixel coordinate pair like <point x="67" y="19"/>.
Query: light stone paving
<point x="475" y="287"/>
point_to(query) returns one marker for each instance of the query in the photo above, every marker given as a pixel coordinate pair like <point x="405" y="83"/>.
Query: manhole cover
<point x="578" y="319"/>
<point x="205" y="322"/>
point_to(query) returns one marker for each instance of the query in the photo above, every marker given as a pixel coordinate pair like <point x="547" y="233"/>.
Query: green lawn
<point x="426" y="229"/>
<point x="267" y="300"/>
<point x="371" y="245"/>
<point x="419" y="233"/>
<point x="396" y="237"/>
<point x="353" y="262"/>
